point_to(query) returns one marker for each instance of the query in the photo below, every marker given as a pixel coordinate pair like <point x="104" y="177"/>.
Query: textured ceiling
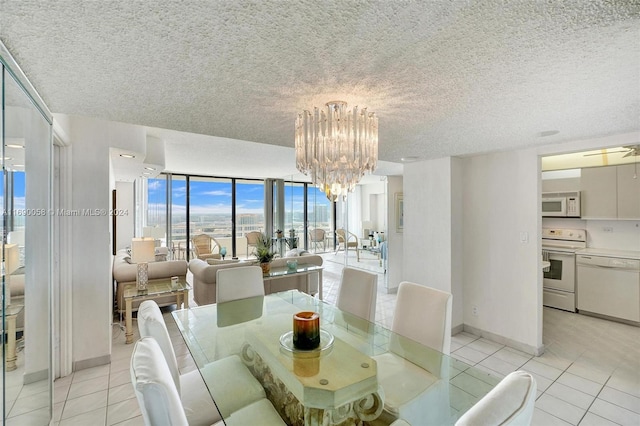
<point x="444" y="77"/>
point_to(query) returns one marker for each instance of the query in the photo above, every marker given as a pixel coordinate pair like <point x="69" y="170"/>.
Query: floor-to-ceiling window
<point x="157" y="202"/>
<point x="210" y="210"/>
<point x="178" y="202"/>
<point x="227" y="209"/>
<point x="294" y="214"/>
<point x="249" y="212"/>
<point x="319" y="218"/>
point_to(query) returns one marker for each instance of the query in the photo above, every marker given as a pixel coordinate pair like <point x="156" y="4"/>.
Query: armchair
<point x="204" y="246"/>
<point x="253" y="238"/>
<point x="318" y="236"/>
<point x="347" y="240"/>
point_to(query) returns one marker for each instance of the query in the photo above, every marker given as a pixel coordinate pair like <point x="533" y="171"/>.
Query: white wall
<point x="624" y="235"/>
<point x="501" y="273"/>
<point x="372" y="206"/>
<point x="395" y="244"/>
<point x="432" y="228"/>
<point x="91" y="241"/>
<point x="427" y="223"/>
<point x="457" y="263"/>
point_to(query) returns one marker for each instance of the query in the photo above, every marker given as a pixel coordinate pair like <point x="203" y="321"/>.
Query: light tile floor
<point x="588" y="375"/>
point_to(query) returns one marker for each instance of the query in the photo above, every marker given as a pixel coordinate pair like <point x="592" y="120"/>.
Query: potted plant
<point x="264" y="253"/>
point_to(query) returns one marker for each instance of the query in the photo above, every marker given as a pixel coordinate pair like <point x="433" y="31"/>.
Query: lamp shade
<point x="143" y="250"/>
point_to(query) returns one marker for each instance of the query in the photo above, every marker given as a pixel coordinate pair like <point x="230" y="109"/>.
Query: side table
<point x="155" y="289"/>
<point x="11" y="314"/>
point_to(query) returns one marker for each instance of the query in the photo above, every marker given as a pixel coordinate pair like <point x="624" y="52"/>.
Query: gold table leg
<point x="128" y="320"/>
<point x="11" y="343"/>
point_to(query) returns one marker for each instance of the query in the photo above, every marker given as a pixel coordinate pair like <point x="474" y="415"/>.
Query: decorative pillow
<point x="296" y="252"/>
<point x="221" y="262"/>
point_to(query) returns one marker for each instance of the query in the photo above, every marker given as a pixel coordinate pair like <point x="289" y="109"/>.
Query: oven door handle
<point x="560" y="253"/>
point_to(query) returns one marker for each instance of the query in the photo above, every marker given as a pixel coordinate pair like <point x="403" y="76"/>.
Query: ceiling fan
<point x="630" y="150"/>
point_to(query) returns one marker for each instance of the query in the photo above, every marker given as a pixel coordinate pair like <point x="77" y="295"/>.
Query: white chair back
<point x="151" y="324"/>
<point x="511" y="402"/>
<point x="423" y="314"/>
<point x="154" y="387"/>
<point x="238" y="283"/>
<point x="357" y="293"/>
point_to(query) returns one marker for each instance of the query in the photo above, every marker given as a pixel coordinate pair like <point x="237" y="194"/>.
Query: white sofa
<point x="124" y="275"/>
<point x="204" y="277"/>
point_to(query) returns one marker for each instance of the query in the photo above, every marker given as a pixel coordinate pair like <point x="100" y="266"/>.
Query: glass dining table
<point x="341" y="381"/>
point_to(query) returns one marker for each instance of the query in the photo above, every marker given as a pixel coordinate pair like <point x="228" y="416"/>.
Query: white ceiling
<point x="444" y="77"/>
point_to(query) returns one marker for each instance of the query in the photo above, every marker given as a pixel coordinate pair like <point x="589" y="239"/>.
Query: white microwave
<point x="561" y="204"/>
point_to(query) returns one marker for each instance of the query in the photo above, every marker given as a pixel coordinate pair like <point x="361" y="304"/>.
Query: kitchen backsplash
<point x="608" y="234"/>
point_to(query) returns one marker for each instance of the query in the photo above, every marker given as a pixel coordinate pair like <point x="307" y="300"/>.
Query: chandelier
<point x="336" y="146"/>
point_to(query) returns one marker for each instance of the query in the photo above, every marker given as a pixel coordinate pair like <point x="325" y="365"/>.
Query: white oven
<point x="559" y="249"/>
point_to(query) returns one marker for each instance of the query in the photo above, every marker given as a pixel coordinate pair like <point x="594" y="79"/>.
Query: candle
<point x="306" y="330"/>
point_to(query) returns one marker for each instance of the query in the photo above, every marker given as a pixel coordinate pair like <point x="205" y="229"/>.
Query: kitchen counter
<point x="624" y="254"/>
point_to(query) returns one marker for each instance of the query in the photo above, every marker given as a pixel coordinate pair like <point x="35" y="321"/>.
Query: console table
<point x="303" y="269"/>
<point x="155" y="289"/>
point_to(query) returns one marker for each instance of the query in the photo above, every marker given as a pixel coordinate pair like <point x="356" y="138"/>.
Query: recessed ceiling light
<point x="7" y="158"/>
<point x="546" y="133"/>
<point x="146" y="173"/>
<point x="14" y="145"/>
<point x="409" y="159"/>
<point x="127" y="156"/>
<point x="18" y="165"/>
<point x="150" y="168"/>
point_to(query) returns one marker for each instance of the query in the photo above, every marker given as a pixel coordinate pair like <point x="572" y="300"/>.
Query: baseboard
<point x="91" y="362"/>
<point x="457" y="329"/>
<point x="533" y="350"/>
<point x="36" y="376"/>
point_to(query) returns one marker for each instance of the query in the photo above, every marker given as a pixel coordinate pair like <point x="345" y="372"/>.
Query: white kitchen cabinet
<point x="561" y="185"/>
<point x="598" y="192"/>
<point x="628" y="191"/>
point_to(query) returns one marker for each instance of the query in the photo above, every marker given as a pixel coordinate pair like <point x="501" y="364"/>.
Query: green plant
<point x="263" y="249"/>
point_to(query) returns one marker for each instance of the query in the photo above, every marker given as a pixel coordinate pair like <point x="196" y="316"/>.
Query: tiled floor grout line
<point x="594" y="399"/>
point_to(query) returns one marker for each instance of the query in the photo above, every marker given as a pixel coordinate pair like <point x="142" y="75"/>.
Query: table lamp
<point x="142" y="252"/>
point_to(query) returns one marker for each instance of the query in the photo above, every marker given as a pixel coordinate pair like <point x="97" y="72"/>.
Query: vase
<point x="266" y="267"/>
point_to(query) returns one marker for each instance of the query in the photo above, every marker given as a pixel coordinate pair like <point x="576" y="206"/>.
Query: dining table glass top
<point x="337" y="379"/>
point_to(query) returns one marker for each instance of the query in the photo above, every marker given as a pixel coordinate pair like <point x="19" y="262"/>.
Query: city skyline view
<point x="210" y="205"/>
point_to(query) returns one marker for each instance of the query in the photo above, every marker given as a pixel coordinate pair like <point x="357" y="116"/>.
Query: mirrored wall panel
<point x="26" y="257"/>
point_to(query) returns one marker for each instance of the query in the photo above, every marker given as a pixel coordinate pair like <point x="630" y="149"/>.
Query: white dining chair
<point x="422" y="316"/>
<point x="357" y="293"/>
<point x="511" y="402"/>
<point x="159" y="399"/>
<point x="154" y="387"/>
<point x="238" y="283"/>
<point x="231" y="384"/>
